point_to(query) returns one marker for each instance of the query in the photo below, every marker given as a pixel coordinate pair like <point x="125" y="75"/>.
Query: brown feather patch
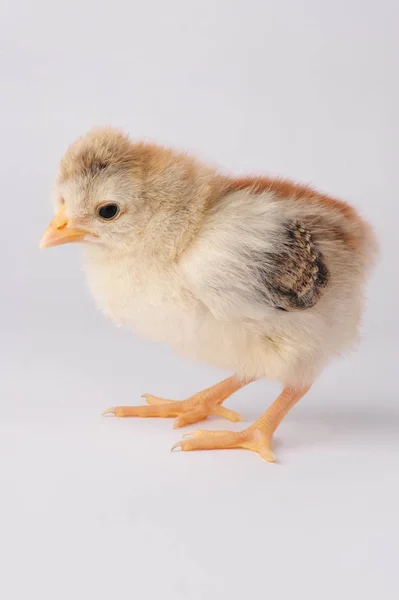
<point x="300" y="275"/>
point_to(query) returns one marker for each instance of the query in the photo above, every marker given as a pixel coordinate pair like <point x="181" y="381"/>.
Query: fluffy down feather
<point x="260" y="276"/>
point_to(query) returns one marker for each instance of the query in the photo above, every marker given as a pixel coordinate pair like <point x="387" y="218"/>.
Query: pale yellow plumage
<point x="260" y="276"/>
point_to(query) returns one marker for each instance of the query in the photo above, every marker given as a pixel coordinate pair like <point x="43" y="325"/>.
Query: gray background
<point x="99" y="508"/>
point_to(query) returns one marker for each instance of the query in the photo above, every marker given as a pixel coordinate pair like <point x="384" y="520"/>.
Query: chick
<point x="260" y="276"/>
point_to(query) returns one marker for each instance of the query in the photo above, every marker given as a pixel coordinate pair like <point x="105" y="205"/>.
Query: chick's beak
<point x="58" y="232"/>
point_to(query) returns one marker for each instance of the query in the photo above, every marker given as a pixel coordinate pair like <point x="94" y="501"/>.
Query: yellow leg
<point x="194" y="409"/>
<point x="257" y="437"/>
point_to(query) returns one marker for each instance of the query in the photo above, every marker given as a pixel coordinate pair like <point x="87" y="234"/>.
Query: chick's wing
<point x="247" y="273"/>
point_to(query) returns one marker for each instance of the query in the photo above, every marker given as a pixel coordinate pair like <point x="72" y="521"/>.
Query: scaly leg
<point x="257" y="437"/>
<point x="194" y="409"/>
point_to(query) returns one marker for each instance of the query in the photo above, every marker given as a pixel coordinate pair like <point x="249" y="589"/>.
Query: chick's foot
<point x="254" y="438"/>
<point x="257" y="437"/>
<point x="194" y="409"/>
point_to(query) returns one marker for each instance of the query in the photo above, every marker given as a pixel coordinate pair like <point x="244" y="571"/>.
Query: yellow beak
<point x="58" y="233"/>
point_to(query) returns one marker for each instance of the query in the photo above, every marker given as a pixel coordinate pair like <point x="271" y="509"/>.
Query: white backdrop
<point x="92" y="507"/>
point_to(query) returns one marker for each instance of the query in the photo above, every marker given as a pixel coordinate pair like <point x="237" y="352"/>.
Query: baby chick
<point x="257" y="275"/>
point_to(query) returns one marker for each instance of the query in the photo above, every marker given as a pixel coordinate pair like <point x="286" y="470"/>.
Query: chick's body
<point x="259" y="276"/>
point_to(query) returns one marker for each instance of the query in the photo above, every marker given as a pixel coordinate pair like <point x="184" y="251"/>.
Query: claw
<point x="176" y="446"/>
<point x="267" y="455"/>
<point x="110" y="411"/>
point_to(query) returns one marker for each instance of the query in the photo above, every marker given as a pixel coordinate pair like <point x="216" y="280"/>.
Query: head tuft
<point x="94" y="152"/>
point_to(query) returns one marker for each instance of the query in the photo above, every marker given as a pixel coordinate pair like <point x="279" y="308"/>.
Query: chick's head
<point x="98" y="194"/>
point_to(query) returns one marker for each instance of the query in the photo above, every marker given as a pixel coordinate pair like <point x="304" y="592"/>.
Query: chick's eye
<point x="108" y="211"/>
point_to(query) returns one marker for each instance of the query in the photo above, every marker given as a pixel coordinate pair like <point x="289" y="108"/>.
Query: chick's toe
<point x="196" y="408"/>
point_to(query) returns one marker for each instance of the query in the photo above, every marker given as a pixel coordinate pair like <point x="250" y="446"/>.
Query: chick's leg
<point x="194" y="409"/>
<point x="257" y="437"/>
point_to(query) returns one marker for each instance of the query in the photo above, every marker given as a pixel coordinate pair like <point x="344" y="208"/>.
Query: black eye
<point x="108" y="211"/>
